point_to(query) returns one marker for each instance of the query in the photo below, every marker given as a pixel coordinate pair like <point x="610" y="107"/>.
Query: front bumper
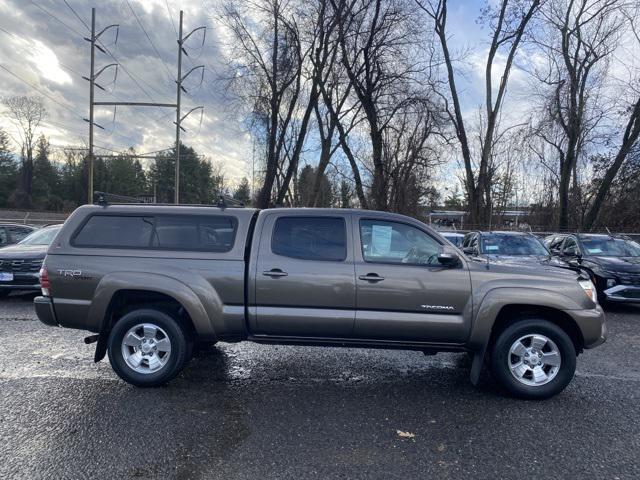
<point x="22" y="281"/>
<point x="623" y="293"/>
<point x="44" y="310"/>
<point x="592" y="325"/>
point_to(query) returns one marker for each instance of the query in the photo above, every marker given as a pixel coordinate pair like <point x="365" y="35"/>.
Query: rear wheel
<point x="148" y="348"/>
<point x="533" y="358"/>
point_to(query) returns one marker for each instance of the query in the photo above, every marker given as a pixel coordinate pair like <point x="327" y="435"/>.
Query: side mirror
<point x="470" y="250"/>
<point x="570" y="253"/>
<point x="448" y="259"/>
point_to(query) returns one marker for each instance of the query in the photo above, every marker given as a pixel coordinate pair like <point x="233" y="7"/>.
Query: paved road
<point x="250" y="411"/>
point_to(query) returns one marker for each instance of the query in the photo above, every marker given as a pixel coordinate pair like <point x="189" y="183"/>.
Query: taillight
<point x="44" y="282"/>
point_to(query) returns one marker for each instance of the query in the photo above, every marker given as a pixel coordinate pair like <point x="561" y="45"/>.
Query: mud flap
<point x="101" y="347"/>
<point x="476" y="366"/>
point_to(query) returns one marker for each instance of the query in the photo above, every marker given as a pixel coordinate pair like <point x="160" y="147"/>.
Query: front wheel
<point x="148" y="348"/>
<point x="533" y="359"/>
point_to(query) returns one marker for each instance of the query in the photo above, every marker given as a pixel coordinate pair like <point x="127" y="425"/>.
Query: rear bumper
<point x="592" y="325"/>
<point x="623" y="293"/>
<point x="44" y="310"/>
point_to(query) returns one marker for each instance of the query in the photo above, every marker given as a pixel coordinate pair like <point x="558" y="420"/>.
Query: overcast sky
<point x="42" y="46"/>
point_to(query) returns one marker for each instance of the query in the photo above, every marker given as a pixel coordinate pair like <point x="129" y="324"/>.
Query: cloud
<point x="49" y="55"/>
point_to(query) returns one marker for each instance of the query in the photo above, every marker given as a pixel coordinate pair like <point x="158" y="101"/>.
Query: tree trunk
<point x="631" y="134"/>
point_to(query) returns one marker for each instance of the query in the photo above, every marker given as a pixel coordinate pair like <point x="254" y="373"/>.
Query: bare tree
<point x="508" y="22"/>
<point x="629" y="140"/>
<point x="577" y="38"/>
<point x="27" y="113"/>
<point x="266" y="62"/>
<point x="375" y="37"/>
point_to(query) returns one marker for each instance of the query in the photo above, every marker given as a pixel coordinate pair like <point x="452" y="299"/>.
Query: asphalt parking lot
<point x="251" y="411"/>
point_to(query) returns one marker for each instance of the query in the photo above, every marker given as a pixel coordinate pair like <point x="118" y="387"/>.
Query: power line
<point x="56" y="18"/>
<point x="166" y="2"/>
<point x="76" y="14"/>
<point x="130" y="75"/>
<point x="149" y="38"/>
<point x="39" y="91"/>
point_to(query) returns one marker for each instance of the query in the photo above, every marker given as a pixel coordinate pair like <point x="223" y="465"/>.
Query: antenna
<point x="608" y="231"/>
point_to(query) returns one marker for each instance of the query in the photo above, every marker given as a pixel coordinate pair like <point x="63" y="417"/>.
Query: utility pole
<point x="93" y="75"/>
<point x="178" y="97"/>
<point x="179" y="90"/>
<point x="91" y="82"/>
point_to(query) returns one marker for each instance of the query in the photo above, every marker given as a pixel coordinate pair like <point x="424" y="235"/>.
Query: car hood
<point x="527" y="265"/>
<point x="615" y="264"/>
<point x="518" y="259"/>
<point x="23" y="251"/>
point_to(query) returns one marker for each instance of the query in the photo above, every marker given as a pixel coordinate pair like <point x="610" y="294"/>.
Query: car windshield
<point x="506" y="244"/>
<point x="610" y="247"/>
<point x="40" y="237"/>
<point x="454" y="238"/>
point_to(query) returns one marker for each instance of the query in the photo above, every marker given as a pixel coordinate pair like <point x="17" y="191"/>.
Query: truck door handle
<point x="274" y="272"/>
<point x="371" y="277"/>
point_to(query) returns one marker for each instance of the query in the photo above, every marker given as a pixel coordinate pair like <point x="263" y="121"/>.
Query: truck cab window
<point x="392" y="242"/>
<point x="310" y="238"/>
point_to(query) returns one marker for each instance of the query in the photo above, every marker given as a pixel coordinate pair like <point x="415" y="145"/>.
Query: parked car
<point x="612" y="263"/>
<point x="11" y="233"/>
<point x="507" y="247"/>
<point x="20" y="263"/>
<point x="454" y="237"/>
<point x="150" y="280"/>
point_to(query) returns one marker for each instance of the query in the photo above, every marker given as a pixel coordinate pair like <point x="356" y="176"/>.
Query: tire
<point x="520" y="346"/>
<point x="132" y="341"/>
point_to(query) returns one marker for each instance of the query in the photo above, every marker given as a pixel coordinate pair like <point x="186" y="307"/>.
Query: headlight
<point x="589" y="289"/>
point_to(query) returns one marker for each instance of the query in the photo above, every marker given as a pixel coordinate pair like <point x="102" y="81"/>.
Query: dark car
<point x="613" y="263"/>
<point x="454" y="237"/>
<point x="20" y="263"/>
<point x="11" y="233"/>
<point x="507" y="247"/>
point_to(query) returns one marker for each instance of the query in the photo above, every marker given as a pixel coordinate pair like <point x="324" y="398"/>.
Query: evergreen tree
<point x="243" y="192"/>
<point x="306" y="181"/>
<point x="199" y="183"/>
<point x="8" y="170"/>
<point x="46" y="178"/>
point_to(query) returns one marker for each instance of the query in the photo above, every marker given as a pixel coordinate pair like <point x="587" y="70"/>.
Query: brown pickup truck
<point x="150" y="281"/>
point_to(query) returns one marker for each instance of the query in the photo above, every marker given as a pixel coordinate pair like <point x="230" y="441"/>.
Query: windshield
<point x="40" y="237"/>
<point x="505" y="244"/>
<point x="610" y="247"/>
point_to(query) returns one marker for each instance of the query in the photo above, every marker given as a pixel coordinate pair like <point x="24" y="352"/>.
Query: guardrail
<point x="31" y="218"/>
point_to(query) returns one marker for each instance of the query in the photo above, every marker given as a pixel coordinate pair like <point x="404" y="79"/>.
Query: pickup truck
<point x="149" y="281"/>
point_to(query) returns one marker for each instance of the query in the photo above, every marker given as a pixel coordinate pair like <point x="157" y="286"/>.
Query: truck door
<point x="304" y="276"/>
<point x="403" y="292"/>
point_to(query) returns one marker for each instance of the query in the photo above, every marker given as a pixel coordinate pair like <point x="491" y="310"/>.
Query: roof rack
<point x="103" y="198"/>
<point x="225" y="201"/>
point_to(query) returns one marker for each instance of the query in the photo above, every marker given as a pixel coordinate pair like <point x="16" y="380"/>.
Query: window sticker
<point x="381" y="239"/>
<point x="594" y="250"/>
<point x="491" y="248"/>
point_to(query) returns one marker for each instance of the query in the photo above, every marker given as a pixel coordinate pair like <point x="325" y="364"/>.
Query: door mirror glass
<point x="448" y="259"/>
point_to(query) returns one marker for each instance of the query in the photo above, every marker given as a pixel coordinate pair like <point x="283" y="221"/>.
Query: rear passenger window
<point x="115" y="231"/>
<point x="310" y="238"/>
<point x="215" y="234"/>
<point x="161" y="232"/>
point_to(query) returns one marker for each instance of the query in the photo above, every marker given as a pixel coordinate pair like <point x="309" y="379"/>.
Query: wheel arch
<point x="150" y="288"/>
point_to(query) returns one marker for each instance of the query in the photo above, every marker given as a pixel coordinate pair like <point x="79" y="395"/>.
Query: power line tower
<point x="179" y="91"/>
<point x="93" y="75"/>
